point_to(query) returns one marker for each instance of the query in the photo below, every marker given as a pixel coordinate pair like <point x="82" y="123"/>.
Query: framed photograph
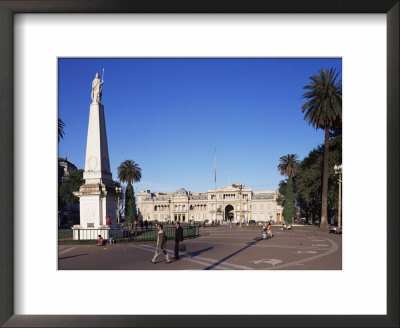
<point x="37" y="36"/>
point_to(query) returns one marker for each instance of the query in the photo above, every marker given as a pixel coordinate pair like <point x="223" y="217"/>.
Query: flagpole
<point x="215" y="181"/>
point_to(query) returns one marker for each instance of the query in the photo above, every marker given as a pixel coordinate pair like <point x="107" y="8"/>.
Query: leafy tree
<point x="281" y="193"/>
<point x="70" y="184"/>
<point x="323" y="109"/>
<point x="129" y="172"/>
<point x="308" y="187"/>
<point x="288" y="207"/>
<point x="309" y="184"/>
<point x="130" y="205"/>
<point x="61" y="126"/>
<point x="288" y="166"/>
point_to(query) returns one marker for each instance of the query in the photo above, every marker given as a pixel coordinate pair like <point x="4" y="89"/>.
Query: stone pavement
<point x="218" y="248"/>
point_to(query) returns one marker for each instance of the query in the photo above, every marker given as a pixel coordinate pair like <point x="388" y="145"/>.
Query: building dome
<point x="181" y="193"/>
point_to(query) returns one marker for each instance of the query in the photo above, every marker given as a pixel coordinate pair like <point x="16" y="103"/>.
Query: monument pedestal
<point x="81" y="233"/>
<point x="97" y="201"/>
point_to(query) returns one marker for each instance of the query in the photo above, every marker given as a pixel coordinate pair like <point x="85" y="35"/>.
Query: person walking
<point x="269" y="231"/>
<point x="179" y="241"/>
<point x="161" y="245"/>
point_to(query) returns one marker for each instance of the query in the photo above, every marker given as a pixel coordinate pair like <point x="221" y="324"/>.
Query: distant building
<point x="70" y="213"/>
<point x="230" y="202"/>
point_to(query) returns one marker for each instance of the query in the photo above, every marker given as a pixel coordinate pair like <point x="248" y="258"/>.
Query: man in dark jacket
<point x="178" y="240"/>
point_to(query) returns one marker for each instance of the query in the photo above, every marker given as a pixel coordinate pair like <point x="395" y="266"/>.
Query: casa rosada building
<point x="228" y="203"/>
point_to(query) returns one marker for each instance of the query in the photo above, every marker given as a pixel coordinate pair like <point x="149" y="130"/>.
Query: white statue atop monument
<point x="97" y="89"/>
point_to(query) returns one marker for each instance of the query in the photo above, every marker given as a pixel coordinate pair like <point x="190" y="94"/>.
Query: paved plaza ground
<point x="217" y="248"/>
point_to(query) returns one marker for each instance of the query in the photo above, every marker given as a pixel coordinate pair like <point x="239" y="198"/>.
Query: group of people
<point x="286" y="226"/>
<point x="144" y="225"/>
<point x="161" y="246"/>
<point x="267" y="230"/>
<point x="100" y="240"/>
<point x="215" y="223"/>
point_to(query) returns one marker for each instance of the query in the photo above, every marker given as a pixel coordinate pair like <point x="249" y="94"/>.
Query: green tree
<point x="281" y="193"/>
<point x="288" y="166"/>
<point x="288" y="208"/>
<point x="322" y="110"/>
<point x="130" y="172"/>
<point x="309" y="184"/>
<point x="61" y="126"/>
<point x="70" y="184"/>
<point x="308" y="187"/>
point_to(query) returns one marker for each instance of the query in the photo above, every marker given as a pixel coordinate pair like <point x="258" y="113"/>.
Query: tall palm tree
<point x="322" y="110"/>
<point x="129" y="172"/>
<point x="287" y="166"/>
<point x="61" y="126"/>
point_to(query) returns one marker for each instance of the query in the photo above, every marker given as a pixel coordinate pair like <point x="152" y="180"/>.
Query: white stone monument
<point x="97" y="196"/>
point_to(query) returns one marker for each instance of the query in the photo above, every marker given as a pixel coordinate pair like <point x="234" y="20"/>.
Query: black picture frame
<point x="10" y="7"/>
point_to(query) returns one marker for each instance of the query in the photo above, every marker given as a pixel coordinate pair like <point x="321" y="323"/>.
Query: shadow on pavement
<point x="256" y="240"/>
<point x="195" y="253"/>
<point x="68" y="257"/>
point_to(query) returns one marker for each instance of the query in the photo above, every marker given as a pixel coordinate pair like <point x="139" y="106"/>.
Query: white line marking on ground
<point x="269" y="261"/>
<point x="152" y="250"/>
<point x="306" y="252"/>
<point x="203" y="260"/>
<point x="212" y="261"/>
<point x="66" y="250"/>
<point x="237" y="266"/>
<point x="331" y="250"/>
<point x="319" y="245"/>
<point x="266" y="245"/>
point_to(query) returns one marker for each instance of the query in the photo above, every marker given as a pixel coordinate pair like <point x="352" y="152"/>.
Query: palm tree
<point x="61" y="126"/>
<point x="323" y="109"/>
<point x="287" y="166"/>
<point x="129" y="172"/>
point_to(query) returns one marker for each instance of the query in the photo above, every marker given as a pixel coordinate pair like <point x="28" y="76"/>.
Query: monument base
<point x="81" y="233"/>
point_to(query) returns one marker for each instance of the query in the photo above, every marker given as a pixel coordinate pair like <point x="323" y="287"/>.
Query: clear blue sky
<point x="168" y="115"/>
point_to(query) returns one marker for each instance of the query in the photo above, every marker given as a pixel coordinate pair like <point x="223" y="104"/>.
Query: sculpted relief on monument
<point x="93" y="163"/>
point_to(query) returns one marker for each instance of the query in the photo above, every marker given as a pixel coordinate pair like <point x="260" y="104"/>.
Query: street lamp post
<point x="118" y="191"/>
<point x="240" y="204"/>
<point x="247" y="209"/>
<point x="240" y="186"/>
<point x="338" y="171"/>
